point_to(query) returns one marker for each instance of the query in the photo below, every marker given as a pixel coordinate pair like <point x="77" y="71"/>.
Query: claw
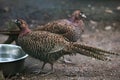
<point x="50" y="72"/>
<point x="39" y="72"/>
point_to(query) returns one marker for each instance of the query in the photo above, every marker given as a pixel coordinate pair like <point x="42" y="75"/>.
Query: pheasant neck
<point x="24" y="31"/>
<point x="74" y="19"/>
<point x="76" y="22"/>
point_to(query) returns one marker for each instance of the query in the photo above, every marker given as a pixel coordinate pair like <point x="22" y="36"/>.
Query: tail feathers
<point x="91" y="54"/>
<point x="89" y="51"/>
<point x="95" y="50"/>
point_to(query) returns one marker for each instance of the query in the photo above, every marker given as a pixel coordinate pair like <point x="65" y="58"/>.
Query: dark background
<point x="42" y="11"/>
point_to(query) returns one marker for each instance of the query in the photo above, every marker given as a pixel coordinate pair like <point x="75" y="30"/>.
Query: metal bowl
<point x="11" y="59"/>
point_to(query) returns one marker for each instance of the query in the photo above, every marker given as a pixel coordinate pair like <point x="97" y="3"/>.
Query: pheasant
<point x="71" y="28"/>
<point x="49" y="47"/>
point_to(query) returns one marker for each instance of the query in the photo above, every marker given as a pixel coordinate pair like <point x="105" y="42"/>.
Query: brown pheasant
<point x="70" y="28"/>
<point x="49" y="47"/>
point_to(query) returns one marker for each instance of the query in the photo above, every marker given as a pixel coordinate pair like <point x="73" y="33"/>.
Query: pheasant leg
<point x="45" y="73"/>
<point x="50" y="71"/>
<point x="41" y="70"/>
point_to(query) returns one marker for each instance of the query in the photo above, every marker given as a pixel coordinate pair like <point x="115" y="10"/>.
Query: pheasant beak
<point x="17" y="22"/>
<point x="83" y="15"/>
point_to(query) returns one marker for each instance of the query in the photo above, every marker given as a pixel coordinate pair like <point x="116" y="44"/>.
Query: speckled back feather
<point x="63" y="27"/>
<point x="40" y="44"/>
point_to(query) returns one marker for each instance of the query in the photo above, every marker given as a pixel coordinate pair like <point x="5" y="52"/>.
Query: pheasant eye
<point x="17" y="21"/>
<point x="82" y="15"/>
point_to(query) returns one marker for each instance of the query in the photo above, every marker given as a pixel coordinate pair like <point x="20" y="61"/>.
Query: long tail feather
<point x="94" y="49"/>
<point x="90" y="51"/>
<point x="92" y="54"/>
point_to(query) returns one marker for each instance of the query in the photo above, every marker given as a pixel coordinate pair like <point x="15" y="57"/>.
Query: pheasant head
<point x="77" y="15"/>
<point x="23" y="26"/>
<point x="77" y="19"/>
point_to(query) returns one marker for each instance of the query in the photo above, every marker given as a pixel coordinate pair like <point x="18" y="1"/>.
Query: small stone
<point x="89" y="5"/>
<point x="33" y="21"/>
<point x="108" y="11"/>
<point x="114" y="24"/>
<point x="31" y="25"/>
<point x="17" y="74"/>
<point x="93" y="22"/>
<point x="97" y="30"/>
<point x="93" y="27"/>
<point x="85" y="36"/>
<point x="108" y="27"/>
<point x="6" y="9"/>
<point x="111" y="74"/>
<point x="22" y="78"/>
<point x="92" y="8"/>
<point x="93" y="58"/>
<point x="118" y="8"/>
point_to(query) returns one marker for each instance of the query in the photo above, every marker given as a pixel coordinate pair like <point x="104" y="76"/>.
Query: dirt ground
<point x="102" y="31"/>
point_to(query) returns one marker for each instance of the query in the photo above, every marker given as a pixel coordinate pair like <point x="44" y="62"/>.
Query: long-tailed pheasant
<point x="71" y="28"/>
<point x="49" y="47"/>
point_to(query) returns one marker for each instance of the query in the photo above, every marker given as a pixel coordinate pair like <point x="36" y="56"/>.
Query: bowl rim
<point x="23" y="57"/>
